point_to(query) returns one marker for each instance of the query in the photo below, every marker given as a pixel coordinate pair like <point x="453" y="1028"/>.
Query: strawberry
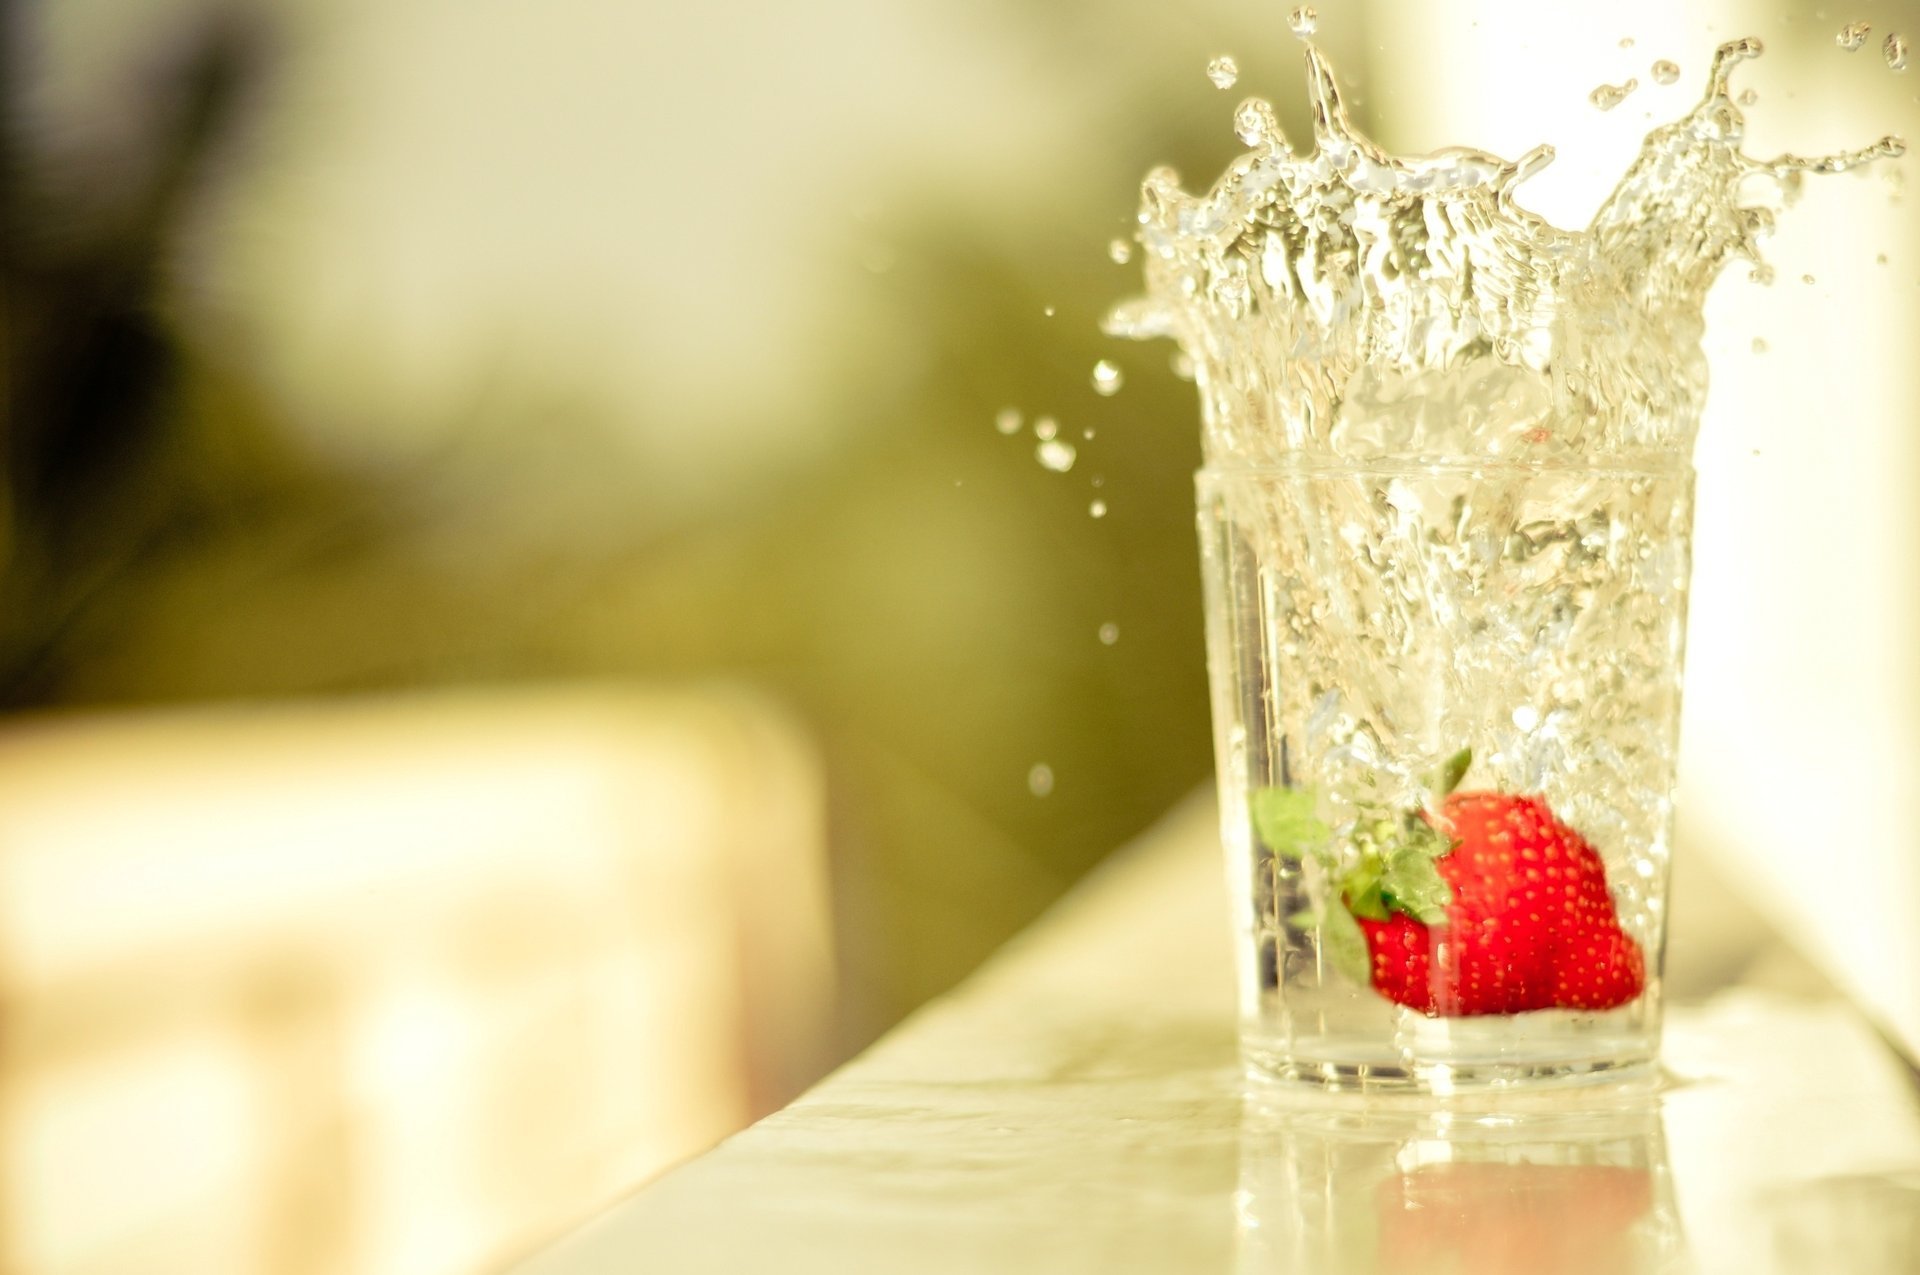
<point x="1493" y="907"/>
<point x="1530" y="924"/>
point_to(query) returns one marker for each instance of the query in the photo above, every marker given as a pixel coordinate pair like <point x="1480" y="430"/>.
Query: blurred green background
<point x="361" y="346"/>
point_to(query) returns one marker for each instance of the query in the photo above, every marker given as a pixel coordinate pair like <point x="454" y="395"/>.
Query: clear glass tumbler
<point x="1446" y="702"/>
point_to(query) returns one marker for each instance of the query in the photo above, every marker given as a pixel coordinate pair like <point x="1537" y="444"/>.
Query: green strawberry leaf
<point x="1361" y="888"/>
<point x="1344" y="945"/>
<point x="1422" y="837"/>
<point x="1451" y="772"/>
<point x="1285" y="820"/>
<point x="1411" y="884"/>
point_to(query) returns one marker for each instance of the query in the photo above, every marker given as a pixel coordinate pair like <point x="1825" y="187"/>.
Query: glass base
<point x="1440" y="1058"/>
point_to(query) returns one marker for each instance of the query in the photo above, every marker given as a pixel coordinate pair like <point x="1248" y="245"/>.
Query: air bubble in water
<point x="1665" y="72"/>
<point x="1608" y="96"/>
<point x="1106" y="378"/>
<point x="1121" y="251"/>
<point x="1303" y="21"/>
<point x="1223" y="71"/>
<point x="1098" y="509"/>
<point x="1045" y="427"/>
<point x="1055" y="455"/>
<point x="1748" y="97"/>
<point x="1040" y="779"/>
<point x="1759" y="345"/>
<point x="1853" y="35"/>
<point x="1008" y="421"/>
<point x="1894" y="50"/>
<point x="1109" y="633"/>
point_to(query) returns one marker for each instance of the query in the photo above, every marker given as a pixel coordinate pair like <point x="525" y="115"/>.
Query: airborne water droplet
<point x="1806" y="278"/>
<point x="1121" y="251"/>
<point x="1223" y="71"/>
<point x="1303" y="21"/>
<point x="1894" y="50"/>
<point x="1182" y="365"/>
<point x="1608" y="96"/>
<point x="1253" y="122"/>
<point x="1040" y="779"/>
<point x="1098" y="509"/>
<point x="1109" y="633"/>
<point x="1665" y="72"/>
<point x="1106" y="378"/>
<point x="1055" y="455"/>
<point x="1045" y="427"/>
<point x="1853" y="35"/>
<point x="1008" y="421"/>
<point x="1748" y="97"/>
<point x="1626" y="42"/>
<point x="1759" y="345"/>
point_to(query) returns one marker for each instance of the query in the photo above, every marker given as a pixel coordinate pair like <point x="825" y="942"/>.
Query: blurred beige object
<point x="391" y="986"/>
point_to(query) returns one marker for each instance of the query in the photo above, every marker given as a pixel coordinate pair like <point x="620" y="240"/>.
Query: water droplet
<point x="1047" y="310"/>
<point x="1055" y="455"/>
<point x="1626" y="42"/>
<point x="1853" y="35"/>
<point x="1099" y="482"/>
<point x="1894" y="50"/>
<point x="1748" y="97"/>
<point x="1526" y="717"/>
<point x="1121" y="251"/>
<point x="1665" y="72"/>
<point x="1109" y="633"/>
<point x="1762" y="274"/>
<point x="1045" y="427"/>
<point x="1759" y="345"/>
<point x="1008" y="421"/>
<point x="1106" y="379"/>
<point x="1806" y="278"/>
<point x="1254" y="124"/>
<point x="1182" y="365"/>
<point x="1223" y="71"/>
<point x="1608" y="96"/>
<point x="1098" y="509"/>
<point x="1880" y="258"/>
<point x="1303" y="21"/>
<point x="1040" y="779"/>
<point x="1087" y="433"/>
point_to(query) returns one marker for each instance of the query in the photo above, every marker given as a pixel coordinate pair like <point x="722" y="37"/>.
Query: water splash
<point x="1350" y="304"/>
<point x="1608" y="96"/>
<point x="1223" y="71"/>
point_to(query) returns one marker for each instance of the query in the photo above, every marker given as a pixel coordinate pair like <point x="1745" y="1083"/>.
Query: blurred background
<point x="523" y="636"/>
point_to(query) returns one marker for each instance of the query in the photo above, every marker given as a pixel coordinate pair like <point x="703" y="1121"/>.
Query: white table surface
<point x="1077" y="1106"/>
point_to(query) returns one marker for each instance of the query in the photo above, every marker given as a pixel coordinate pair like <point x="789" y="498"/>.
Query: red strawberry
<point x="1530" y="924"/>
